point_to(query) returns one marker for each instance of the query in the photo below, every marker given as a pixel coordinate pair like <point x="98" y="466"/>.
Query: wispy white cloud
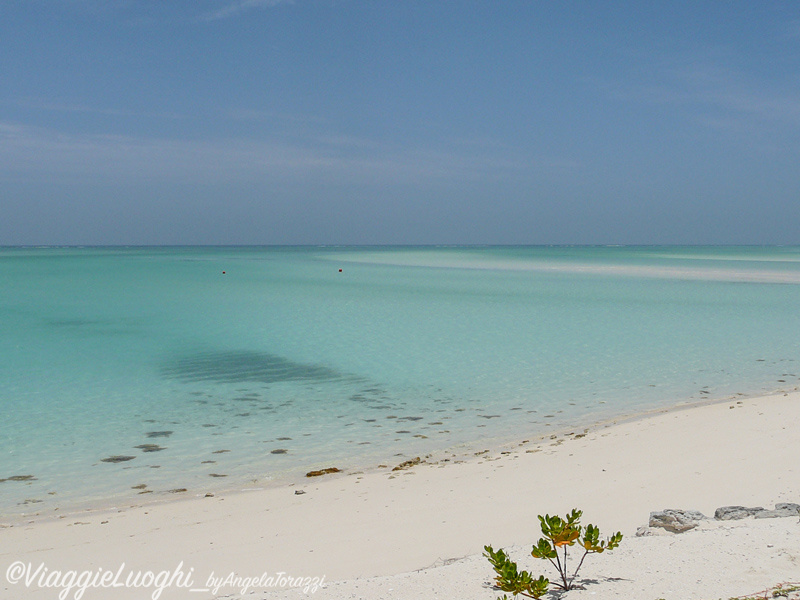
<point x="733" y="91"/>
<point x="93" y="110"/>
<point x="232" y="9"/>
<point x="27" y="153"/>
<point x="717" y="95"/>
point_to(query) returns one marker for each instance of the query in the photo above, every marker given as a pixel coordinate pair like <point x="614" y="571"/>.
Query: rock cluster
<point x="783" y="509"/>
<point x="678" y="521"/>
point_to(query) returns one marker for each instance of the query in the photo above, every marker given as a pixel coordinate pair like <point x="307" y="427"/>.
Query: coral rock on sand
<point x="730" y="513"/>
<point x="676" y="521"/>
<point x="784" y="509"/>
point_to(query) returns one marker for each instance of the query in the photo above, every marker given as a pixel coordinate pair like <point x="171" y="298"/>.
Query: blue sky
<point x="399" y="122"/>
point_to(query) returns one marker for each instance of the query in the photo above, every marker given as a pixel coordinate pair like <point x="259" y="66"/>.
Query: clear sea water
<point x="258" y="364"/>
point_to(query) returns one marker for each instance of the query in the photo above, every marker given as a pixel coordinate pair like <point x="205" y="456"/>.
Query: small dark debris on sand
<point x="140" y="486"/>
<point x="323" y="472"/>
<point x="216" y="475"/>
<point x="408" y="464"/>
<point x="219" y="451"/>
<point x="177" y="491"/>
<point x="279" y="451"/>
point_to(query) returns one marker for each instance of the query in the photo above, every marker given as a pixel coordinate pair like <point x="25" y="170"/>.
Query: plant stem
<point x="561" y="571"/>
<point x="575" y="574"/>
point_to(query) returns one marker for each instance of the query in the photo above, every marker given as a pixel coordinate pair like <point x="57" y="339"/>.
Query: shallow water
<point x="225" y="367"/>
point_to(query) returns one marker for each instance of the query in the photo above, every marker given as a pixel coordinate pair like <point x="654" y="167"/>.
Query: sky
<point x="399" y="122"/>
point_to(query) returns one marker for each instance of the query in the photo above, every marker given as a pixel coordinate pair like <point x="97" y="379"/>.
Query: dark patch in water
<point x="19" y="478"/>
<point x="159" y="434"/>
<point x="117" y="459"/>
<point x="150" y="447"/>
<point x="244" y="366"/>
<point x="279" y="451"/>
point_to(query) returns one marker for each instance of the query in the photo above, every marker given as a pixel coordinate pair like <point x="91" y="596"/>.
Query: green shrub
<point x="509" y="579"/>
<point x="559" y="535"/>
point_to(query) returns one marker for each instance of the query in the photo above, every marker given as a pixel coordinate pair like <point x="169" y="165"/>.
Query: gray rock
<point x="784" y="509"/>
<point x="676" y="521"/>
<point x="694" y="515"/>
<point x="730" y="513"/>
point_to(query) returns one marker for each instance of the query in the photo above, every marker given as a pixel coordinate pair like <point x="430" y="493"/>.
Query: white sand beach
<point x="419" y="532"/>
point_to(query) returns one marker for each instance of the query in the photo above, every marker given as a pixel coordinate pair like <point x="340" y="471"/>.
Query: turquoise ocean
<point x="143" y="370"/>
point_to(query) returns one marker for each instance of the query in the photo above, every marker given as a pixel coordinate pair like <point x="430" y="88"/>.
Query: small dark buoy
<point x="223" y="272"/>
<point x="340" y="270"/>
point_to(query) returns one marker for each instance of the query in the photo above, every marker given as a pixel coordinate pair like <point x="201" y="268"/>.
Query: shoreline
<point x="384" y="523"/>
<point x="457" y="454"/>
